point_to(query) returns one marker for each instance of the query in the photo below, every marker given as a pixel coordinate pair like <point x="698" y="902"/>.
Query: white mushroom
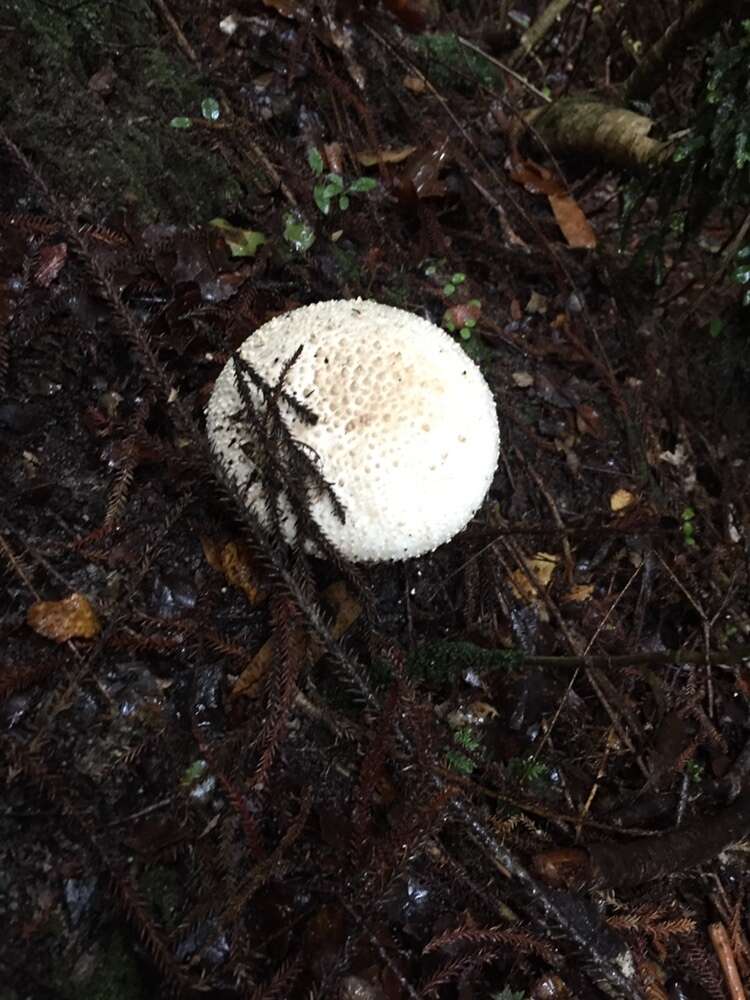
<point x="406" y="434"/>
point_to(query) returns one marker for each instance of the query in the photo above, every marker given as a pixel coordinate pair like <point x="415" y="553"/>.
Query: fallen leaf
<point x="415" y="84"/>
<point x="523" y="380"/>
<point x="621" y="500"/>
<point x="540" y="569"/>
<point x="588" y="421"/>
<point x="574" y="225"/>
<point x="368" y="158"/>
<point x="536" y="179"/>
<point x="570" y="218"/>
<point x="334" y="153"/>
<point x="537" y="303"/>
<point x="345" y="611"/>
<point x="576" y="595"/>
<point x="241" y="242"/>
<point x="414" y="15"/>
<point x="288" y="8"/>
<point x="71" y="618"/>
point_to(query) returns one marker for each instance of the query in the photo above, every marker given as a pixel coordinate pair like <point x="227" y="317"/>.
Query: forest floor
<point x="521" y="772"/>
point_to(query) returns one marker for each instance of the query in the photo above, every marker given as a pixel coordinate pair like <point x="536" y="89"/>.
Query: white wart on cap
<point x="407" y="433"/>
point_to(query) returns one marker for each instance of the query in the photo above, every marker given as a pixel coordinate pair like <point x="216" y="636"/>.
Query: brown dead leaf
<point x="345" y="611"/>
<point x="621" y="500"/>
<point x="578" y="594"/>
<point x="368" y="158"/>
<point x="288" y="8"/>
<point x="71" y="618"/>
<point x="334" y="154"/>
<point x="574" y="225"/>
<point x="536" y="179"/>
<point x="415" y="84"/>
<point x="414" y="15"/>
<point x="540" y="569"/>
<point x="240" y="570"/>
<point x="589" y="421"/>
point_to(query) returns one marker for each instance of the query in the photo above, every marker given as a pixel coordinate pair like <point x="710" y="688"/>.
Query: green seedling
<point x="332" y="187"/>
<point x="210" y="110"/>
<point x="527" y="770"/>
<point x="464" y="739"/>
<point x="687" y="521"/>
<point x="298" y="233"/>
<point x="462" y="318"/>
<point x="450" y="287"/>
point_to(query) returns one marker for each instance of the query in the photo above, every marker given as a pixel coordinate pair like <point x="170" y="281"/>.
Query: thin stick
<point x="723" y="948"/>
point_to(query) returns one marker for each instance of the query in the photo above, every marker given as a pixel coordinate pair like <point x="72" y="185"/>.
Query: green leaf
<point x="742" y="274"/>
<point x="335" y="183"/>
<point x="180" y="122"/>
<point x="191" y="774"/>
<point x="298" y="233"/>
<point x="458" y="278"/>
<point x="315" y="160"/>
<point x="344" y="202"/>
<point x="362" y="184"/>
<point x="465" y="333"/>
<point x="449" y="289"/>
<point x="715" y="327"/>
<point x="322" y="197"/>
<point x="241" y="242"/>
<point x="210" y="109"/>
<point x="741" y="150"/>
<point x="459" y="762"/>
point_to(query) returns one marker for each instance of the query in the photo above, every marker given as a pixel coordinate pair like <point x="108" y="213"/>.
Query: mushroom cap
<point x="407" y="432"/>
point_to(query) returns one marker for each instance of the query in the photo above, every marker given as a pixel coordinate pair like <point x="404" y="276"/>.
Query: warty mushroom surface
<point x="407" y="431"/>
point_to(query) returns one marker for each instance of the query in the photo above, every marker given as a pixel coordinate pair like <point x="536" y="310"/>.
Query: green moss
<point x="116" y="147"/>
<point x="448" y="63"/>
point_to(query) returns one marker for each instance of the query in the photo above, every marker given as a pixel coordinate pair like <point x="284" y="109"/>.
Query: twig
<point x="678" y="657"/>
<point x="507" y="69"/>
<point x="720" y="940"/>
<point x="700" y="18"/>
<point x="535" y="33"/>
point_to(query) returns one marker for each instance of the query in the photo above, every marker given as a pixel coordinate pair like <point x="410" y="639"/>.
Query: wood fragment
<point x="723" y="948"/>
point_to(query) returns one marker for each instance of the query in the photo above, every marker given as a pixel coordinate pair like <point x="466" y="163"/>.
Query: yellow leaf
<point x="578" y="594"/>
<point x="71" y="618"/>
<point x="345" y="611"/>
<point x="540" y="568"/>
<point x="621" y="500"/>
<point x="239" y="569"/>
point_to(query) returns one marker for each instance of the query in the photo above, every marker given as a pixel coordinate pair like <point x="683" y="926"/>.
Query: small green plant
<point x="463" y="318"/>
<point x="298" y="233"/>
<point x="450" y="286"/>
<point x="210" y="110"/>
<point x="466" y="739"/>
<point x="527" y="770"/>
<point x="508" y="994"/>
<point x="332" y="187"/>
<point x="694" y="770"/>
<point x="687" y="523"/>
